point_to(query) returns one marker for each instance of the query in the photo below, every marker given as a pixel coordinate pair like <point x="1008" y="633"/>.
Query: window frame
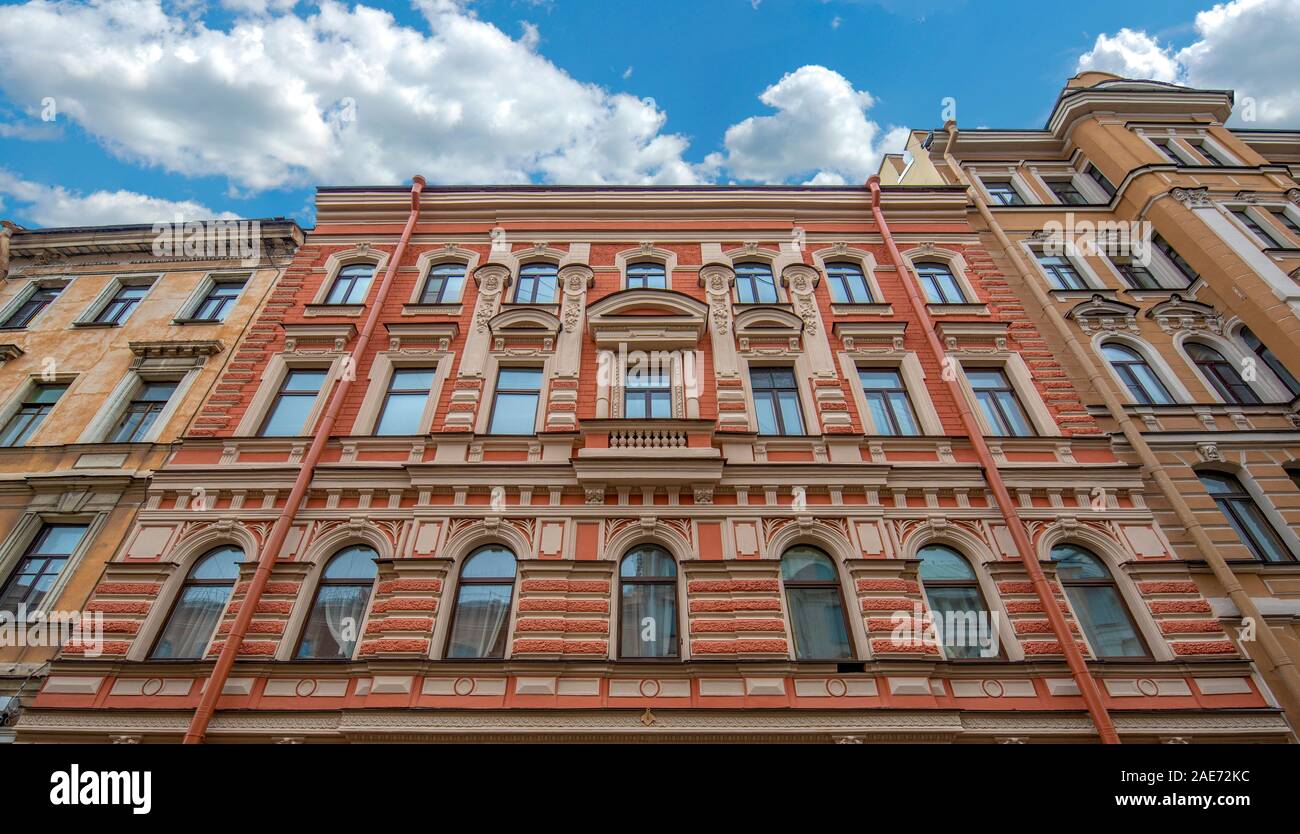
<point x="527" y="273"/>
<point x="673" y="581"/>
<point x="461" y="581"/>
<point x="748" y="269"/>
<point x="921" y="276"/>
<point x="793" y="388"/>
<point x="834" y="270"/>
<point x="321" y="581"/>
<point x="340" y="275"/>
<point x="902" y="388"/>
<point x="146" y="425"/>
<point x="497" y="390"/>
<point x="23" y="399"/>
<point x="1211" y="378"/>
<point x="188" y="582"/>
<point x="1011" y="388"/>
<point x="1131" y="380"/>
<point x="1228" y="504"/>
<point x="638" y="266"/>
<point x="1111" y="582"/>
<point x="422" y="295"/>
<point x="24" y="297"/>
<point x="433" y="372"/>
<point x="975" y="583"/>
<point x="269" y="411"/>
<point x="986" y="180"/>
<point x="835" y="583"/>
<point x="28" y="552"/>
<point x="93" y="316"/>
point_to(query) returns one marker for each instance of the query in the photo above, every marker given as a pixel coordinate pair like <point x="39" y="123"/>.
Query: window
<point x="122" y="304"/>
<point x="142" y="411"/>
<point x="1205" y="149"/>
<point x="1061" y="272"/>
<point x="480" y="618"/>
<point x="198" y="607"/>
<point x="888" y="402"/>
<point x="812" y="594"/>
<point x="1270" y="359"/>
<point x="1066" y="192"/>
<point x="1221" y="374"/>
<point x="351" y="285"/>
<point x="1264" y="236"/>
<point x="339" y="606"/>
<point x="646" y="276"/>
<point x="940" y="285"/>
<point x="1099" y="178"/>
<point x="1097" y="604"/>
<point x="444" y="284"/>
<point x="40" y="566"/>
<point x="848" y="284"/>
<point x="403" y="408"/>
<point x="1183" y="266"/>
<point x="648" y="604"/>
<point x="755" y="284"/>
<point x="961" y="618"/>
<point x="514" y="405"/>
<point x="1136" y="275"/>
<point x="293" y="403"/>
<point x="29" y="416"/>
<point x="1286" y="220"/>
<point x="1142" y="382"/>
<point x="217" y="303"/>
<point x="1003" y="192"/>
<point x="1245" y="516"/>
<point x="1166" y="149"/>
<point x="537" y="284"/>
<point x="39" y="299"/>
<point x="776" y="400"/>
<point x="997" y="399"/>
<point x="648" y="395"/>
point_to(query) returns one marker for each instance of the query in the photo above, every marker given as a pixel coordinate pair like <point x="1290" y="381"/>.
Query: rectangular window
<point x="514" y="405"/>
<point x="848" y="284"/>
<point x="538" y="284"/>
<point x="648" y="396"/>
<point x="776" y="401"/>
<point x="1264" y="236"/>
<point x="29" y="416"/>
<point x="755" y="284"/>
<point x="351" y="285"/>
<point x="997" y="399"/>
<point x="408" y="394"/>
<point x="1003" y="192"/>
<point x="293" y="403"/>
<point x="1135" y="274"/>
<point x="1182" y="266"/>
<point x="1067" y="193"/>
<point x="31" y="308"/>
<point x="444" y="284"/>
<point x="1099" y="178"/>
<point x="1207" y="150"/>
<point x="220" y="298"/>
<point x="142" y="411"/>
<point x="888" y="402"/>
<point x="1166" y="149"/>
<point x="646" y="276"/>
<point x="1061" y="272"/>
<point x="122" y="304"/>
<point x="40" y="566"/>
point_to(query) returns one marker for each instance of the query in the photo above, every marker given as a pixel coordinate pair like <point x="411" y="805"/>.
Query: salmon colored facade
<point x="106" y="359"/>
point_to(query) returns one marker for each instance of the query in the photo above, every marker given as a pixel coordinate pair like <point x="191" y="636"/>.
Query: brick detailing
<point x="734" y="610"/>
<point x="403" y="608"/>
<point x="1181" y="613"/>
<point x="124" y="597"/>
<point x="893" y="610"/>
<point x="270" y="618"/>
<point x="563" y="610"/>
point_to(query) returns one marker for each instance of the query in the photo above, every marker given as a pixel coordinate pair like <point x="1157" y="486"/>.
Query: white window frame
<point x="110" y="290"/>
<point x="1018" y="375"/>
<point x="23" y="391"/>
<point x="1262" y="217"/>
<point x="185" y="315"/>
<point x="277" y="368"/>
<point x="646" y="253"/>
<point x="1154" y="360"/>
<point x="26" y="292"/>
<point x="491" y="374"/>
<point x="864" y="260"/>
<point x="381" y="375"/>
<point x="912" y="374"/>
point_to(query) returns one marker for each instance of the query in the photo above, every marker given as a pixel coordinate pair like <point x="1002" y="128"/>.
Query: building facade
<point x="110" y="339"/>
<point x="1188" y="357"/>
<point x="586" y="464"/>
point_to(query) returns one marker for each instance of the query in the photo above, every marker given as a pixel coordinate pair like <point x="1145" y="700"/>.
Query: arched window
<point x="351" y="285"/>
<point x="939" y="283"/>
<point x="1269" y="358"/>
<point x="755" y="284"/>
<point x="199" y="604"/>
<point x="848" y="284"/>
<point x="812" y="594"/>
<point x="1097" y="603"/>
<point x="646" y="276"/>
<point x="1245" y="516"/>
<point x="339" y="606"/>
<point x="444" y="284"/>
<point x="480" y="619"/>
<point x="1221" y="374"/>
<point x="648" y="603"/>
<point x="538" y="284"/>
<point x="957" y="605"/>
<point x="1143" y="382"/>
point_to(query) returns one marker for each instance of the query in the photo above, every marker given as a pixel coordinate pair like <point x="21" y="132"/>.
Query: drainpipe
<point x="229" y="651"/>
<point x="1275" y="656"/>
<point x="1083" y="678"/>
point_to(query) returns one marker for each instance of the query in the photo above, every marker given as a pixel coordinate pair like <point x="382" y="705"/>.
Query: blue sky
<point x="242" y="106"/>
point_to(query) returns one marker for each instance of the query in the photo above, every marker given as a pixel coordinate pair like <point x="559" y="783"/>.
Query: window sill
<point x="183" y="322"/>
<point x="1153" y="294"/>
<point x="1083" y="294"/>
<point x="957" y="309"/>
<point x="95" y="324"/>
<point x="349" y="310"/>
<point x="432" y="309"/>
<point x="844" y="308"/>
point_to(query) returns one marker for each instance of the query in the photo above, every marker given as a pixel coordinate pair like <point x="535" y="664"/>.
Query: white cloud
<point x="820" y="128"/>
<point x="1245" y="45"/>
<point x="265" y="103"/>
<point x="56" y="206"/>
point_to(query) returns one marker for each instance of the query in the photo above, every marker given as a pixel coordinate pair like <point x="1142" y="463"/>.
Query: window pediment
<point x="524" y="321"/>
<point x="973" y="337"/>
<point x="768" y="320"/>
<point x="658" y="316"/>
<point x="1180" y="314"/>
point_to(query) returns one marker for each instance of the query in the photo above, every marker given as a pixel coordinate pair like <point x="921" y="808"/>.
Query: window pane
<point x="940" y="563"/>
<point x="480" y="626"/>
<point x="514" y="414"/>
<point x="1256" y="531"/>
<point x="190" y="628"/>
<point x="402" y="413"/>
<point x="649" y="620"/>
<point x="304" y="381"/>
<point x="1017" y="423"/>
<point x="646" y="276"/>
<point x="288" y="415"/>
<point x="1105" y="620"/>
<point x="59" y="539"/>
<point x="807" y="564"/>
<point x="791" y="417"/>
<point x="818" y="624"/>
<point x="529" y="379"/>
<point x="222" y="563"/>
<point x="489" y="563"/>
<point x="765" y="412"/>
<point x="335" y="622"/>
<point x="356" y="562"/>
<point x="960" y="619"/>
<point x="648" y="563"/>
